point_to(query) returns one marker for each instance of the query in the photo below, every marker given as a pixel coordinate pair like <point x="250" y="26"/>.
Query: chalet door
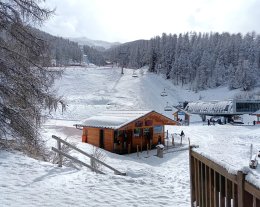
<point x="148" y="134"/>
<point x="129" y="141"/>
<point x="101" y="138"/>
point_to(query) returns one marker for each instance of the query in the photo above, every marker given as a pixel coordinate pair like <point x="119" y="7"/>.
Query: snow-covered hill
<point x="150" y="181"/>
<point x="94" y="43"/>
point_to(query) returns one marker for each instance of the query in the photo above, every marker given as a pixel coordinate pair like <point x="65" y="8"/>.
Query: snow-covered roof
<point x="113" y="119"/>
<point x="210" y="107"/>
<point x="256" y="113"/>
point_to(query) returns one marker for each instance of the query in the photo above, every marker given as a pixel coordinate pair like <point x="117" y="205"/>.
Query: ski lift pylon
<point x="164" y="93"/>
<point x="167" y="107"/>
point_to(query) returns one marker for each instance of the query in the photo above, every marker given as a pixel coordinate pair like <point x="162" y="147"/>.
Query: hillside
<point x="150" y="181"/>
<point x="94" y="43"/>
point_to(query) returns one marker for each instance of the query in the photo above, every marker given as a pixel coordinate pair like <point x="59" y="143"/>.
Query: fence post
<point x="240" y="188"/>
<point x="137" y="151"/>
<point x="147" y="149"/>
<point x="60" y="156"/>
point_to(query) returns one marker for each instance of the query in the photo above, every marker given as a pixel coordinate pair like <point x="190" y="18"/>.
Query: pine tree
<point x="25" y="84"/>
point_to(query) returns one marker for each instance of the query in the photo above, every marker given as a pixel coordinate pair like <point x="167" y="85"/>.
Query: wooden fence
<point x="212" y="186"/>
<point x="92" y="159"/>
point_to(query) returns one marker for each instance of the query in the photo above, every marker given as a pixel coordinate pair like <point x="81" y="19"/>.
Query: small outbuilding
<point x="257" y="114"/>
<point x="181" y="116"/>
<point x="125" y="131"/>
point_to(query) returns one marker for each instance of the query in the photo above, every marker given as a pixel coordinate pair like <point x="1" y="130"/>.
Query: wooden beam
<point x="76" y="160"/>
<point x="207" y="186"/>
<point x="196" y="181"/>
<point x="192" y="182"/>
<point x="234" y="195"/>
<point x="60" y="156"/>
<point x="240" y="188"/>
<point x="228" y="191"/>
<point x="199" y="183"/>
<point x="222" y="190"/>
<point x="88" y="155"/>
<point x="211" y="180"/>
<point x="202" y="184"/>
<point x="216" y="189"/>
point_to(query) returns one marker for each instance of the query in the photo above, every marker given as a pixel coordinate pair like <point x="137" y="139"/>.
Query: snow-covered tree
<point x="24" y="83"/>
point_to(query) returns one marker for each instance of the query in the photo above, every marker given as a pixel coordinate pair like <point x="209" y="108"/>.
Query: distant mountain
<point x="97" y="44"/>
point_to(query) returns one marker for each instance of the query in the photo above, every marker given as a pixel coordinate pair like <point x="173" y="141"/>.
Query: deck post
<point x="60" y="156"/>
<point x="240" y="188"/>
<point x="192" y="182"/>
<point x="172" y="140"/>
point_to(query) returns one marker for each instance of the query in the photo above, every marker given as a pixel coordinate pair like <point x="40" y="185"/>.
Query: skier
<point x="182" y="135"/>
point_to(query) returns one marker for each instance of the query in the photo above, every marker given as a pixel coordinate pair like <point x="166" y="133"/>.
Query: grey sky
<point x="128" y="20"/>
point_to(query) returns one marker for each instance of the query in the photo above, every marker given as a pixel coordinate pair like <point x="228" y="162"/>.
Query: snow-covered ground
<point x="150" y="181"/>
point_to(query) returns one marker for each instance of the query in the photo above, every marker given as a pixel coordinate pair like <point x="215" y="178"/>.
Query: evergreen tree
<point x="25" y="84"/>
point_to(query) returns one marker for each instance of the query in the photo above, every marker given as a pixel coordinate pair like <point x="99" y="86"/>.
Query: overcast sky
<point x="128" y="20"/>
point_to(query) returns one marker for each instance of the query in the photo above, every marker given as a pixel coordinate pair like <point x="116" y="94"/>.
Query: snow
<point x="113" y="119"/>
<point x="150" y="181"/>
<point x="212" y="107"/>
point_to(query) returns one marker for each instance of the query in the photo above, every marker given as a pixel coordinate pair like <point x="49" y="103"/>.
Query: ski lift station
<point x="227" y="109"/>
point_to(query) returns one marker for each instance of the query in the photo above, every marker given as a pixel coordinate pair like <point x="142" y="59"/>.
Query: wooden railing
<point x="212" y="185"/>
<point x="92" y="159"/>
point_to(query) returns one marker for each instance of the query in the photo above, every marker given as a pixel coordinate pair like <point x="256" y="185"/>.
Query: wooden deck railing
<point x="213" y="186"/>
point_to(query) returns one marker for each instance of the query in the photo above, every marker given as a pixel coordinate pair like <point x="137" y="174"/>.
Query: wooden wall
<point x="93" y="136"/>
<point x="109" y="139"/>
<point x="212" y="186"/>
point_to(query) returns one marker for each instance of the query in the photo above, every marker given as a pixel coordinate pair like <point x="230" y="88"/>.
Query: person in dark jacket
<point x="182" y="135"/>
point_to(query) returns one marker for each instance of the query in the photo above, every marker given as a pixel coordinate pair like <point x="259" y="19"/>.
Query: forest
<point x="202" y="61"/>
<point x="199" y="60"/>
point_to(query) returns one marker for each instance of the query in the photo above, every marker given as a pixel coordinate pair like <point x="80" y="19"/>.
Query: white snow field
<point x="150" y="181"/>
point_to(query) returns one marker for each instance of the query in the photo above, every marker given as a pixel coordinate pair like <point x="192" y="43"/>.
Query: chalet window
<point x="137" y="132"/>
<point x="115" y="136"/>
<point x="146" y="130"/>
<point x="138" y="124"/>
<point x="158" y="129"/>
<point x="148" y="123"/>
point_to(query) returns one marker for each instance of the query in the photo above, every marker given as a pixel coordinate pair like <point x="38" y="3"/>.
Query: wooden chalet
<point x="125" y="131"/>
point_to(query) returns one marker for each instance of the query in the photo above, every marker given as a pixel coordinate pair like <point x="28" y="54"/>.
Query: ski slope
<point x="150" y="181"/>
